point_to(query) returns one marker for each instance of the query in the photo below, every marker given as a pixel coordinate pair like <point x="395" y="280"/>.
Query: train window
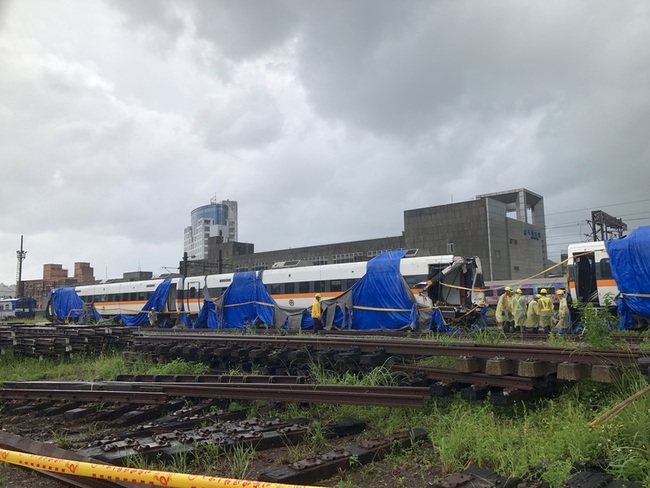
<point x="303" y="287"/>
<point x="289" y="287"/>
<point x="605" y="269"/>
<point x="276" y="289"/>
<point x="489" y="293"/>
<point x="319" y="286"/>
<point x="351" y="282"/>
<point x="550" y="290"/>
<point x="526" y="291"/>
<point x="192" y="292"/>
<point x="141" y="296"/>
<point x="336" y="285"/>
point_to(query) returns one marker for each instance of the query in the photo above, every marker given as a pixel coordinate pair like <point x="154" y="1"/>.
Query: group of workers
<point x="516" y="314"/>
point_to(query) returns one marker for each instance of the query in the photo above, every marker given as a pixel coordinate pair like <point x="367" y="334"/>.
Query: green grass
<point x="103" y="367"/>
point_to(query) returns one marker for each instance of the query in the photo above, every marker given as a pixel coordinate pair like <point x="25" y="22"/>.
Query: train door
<point x="193" y="295"/>
<point x="584" y="272"/>
<point x="171" y="298"/>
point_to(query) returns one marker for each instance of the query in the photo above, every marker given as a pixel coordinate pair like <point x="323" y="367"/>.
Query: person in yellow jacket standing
<point x="504" y="310"/>
<point x="564" y="321"/>
<point x="519" y="310"/>
<point x="532" y="314"/>
<point x="545" y="311"/>
<point x="317" y="313"/>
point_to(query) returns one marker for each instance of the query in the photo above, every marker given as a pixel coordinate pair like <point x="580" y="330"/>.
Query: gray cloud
<point x="330" y="117"/>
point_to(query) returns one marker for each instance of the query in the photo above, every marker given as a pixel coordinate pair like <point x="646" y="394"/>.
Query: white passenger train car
<point x="590" y="276"/>
<point x="454" y="280"/>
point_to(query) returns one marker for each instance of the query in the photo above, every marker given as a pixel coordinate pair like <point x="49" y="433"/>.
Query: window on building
<point x="450" y="248"/>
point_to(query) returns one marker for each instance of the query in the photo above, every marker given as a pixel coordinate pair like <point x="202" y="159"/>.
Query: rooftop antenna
<point x="20" y="255"/>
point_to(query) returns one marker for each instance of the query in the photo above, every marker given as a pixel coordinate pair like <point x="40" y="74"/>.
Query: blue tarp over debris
<point x="66" y="305"/>
<point x="245" y="297"/>
<point x="379" y="300"/>
<point x="157" y="302"/>
<point x="207" y="316"/>
<point x="630" y="264"/>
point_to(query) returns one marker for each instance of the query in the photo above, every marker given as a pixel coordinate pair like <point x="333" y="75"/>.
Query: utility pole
<point x="606" y="225"/>
<point x="20" y="254"/>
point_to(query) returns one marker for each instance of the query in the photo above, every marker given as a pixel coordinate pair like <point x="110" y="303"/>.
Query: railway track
<point x="140" y="405"/>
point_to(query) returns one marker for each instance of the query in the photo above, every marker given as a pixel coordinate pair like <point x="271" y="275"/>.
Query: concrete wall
<point x="527" y="249"/>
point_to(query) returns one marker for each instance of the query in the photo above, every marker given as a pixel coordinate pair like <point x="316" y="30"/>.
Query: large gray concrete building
<point x="506" y="230"/>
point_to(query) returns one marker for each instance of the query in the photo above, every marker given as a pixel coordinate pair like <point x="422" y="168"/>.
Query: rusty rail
<point x="409" y="347"/>
<point x="160" y="392"/>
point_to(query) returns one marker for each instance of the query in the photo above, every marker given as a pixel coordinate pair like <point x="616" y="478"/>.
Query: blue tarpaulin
<point x="157" y="301"/>
<point x="207" y="316"/>
<point x="66" y="304"/>
<point x="630" y="264"/>
<point x="245" y="297"/>
<point x="381" y="299"/>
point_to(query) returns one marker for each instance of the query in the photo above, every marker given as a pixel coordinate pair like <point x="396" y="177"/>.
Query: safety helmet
<point x="543" y="291"/>
<point x="518" y="291"/>
<point x="560" y="292"/>
<point x="507" y="288"/>
<point x="317" y="295"/>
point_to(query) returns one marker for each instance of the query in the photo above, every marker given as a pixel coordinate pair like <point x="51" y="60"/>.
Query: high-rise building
<point x="214" y="220"/>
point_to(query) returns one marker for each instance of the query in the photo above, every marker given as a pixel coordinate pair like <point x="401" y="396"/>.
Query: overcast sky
<point x="323" y="119"/>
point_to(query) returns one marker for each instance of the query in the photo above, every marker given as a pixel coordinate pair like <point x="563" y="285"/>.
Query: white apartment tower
<point x="213" y="220"/>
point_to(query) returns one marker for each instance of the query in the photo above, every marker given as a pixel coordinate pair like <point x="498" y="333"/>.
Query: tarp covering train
<point x="630" y="264"/>
<point x="379" y="299"/>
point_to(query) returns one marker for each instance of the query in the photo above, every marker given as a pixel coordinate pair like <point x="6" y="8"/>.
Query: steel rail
<point x="413" y="347"/>
<point x="141" y="398"/>
<point x="400" y="400"/>
<point x="164" y="386"/>
<point x="412" y="397"/>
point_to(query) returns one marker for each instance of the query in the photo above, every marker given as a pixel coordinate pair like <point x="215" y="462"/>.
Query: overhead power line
<point x="601" y="206"/>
